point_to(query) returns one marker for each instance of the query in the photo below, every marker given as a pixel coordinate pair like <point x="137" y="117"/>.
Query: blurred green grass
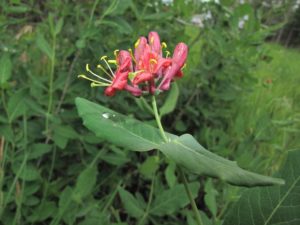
<point x="269" y="115"/>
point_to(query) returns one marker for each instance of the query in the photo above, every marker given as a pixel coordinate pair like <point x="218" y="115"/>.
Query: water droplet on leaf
<point x="106" y="115"/>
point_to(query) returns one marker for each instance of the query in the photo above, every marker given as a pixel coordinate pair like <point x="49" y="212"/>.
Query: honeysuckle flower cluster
<point x="146" y="70"/>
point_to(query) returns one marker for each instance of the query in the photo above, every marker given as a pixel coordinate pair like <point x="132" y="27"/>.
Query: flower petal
<point x="124" y="61"/>
<point x="140" y="47"/>
<point x="110" y="91"/>
<point x="133" y="90"/>
<point x="142" y="77"/>
<point x="154" y="42"/>
<point x="178" y="60"/>
<point x="180" y="54"/>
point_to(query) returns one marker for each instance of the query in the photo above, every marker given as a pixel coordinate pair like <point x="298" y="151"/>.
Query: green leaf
<point x="44" y="46"/>
<point x="184" y="150"/>
<point x="170" y="174"/>
<point x="17" y="105"/>
<point x="59" y="25"/>
<point x="38" y="150"/>
<point x="169" y="201"/>
<point x="117" y="128"/>
<point x="62" y="134"/>
<point x="272" y="205"/>
<point x="5" y="68"/>
<point x="171" y="101"/>
<point x="149" y="166"/>
<point x="45" y="210"/>
<point x="210" y="197"/>
<point x="131" y="204"/>
<point x="28" y="173"/>
<point x="85" y="183"/>
<point x="187" y="152"/>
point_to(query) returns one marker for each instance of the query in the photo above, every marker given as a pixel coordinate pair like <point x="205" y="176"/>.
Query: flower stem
<point x="157" y="118"/>
<point x="189" y="193"/>
<point x="185" y="182"/>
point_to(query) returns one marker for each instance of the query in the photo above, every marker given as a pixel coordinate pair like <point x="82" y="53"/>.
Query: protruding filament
<point x="94" y="81"/>
<point x="183" y="66"/>
<point x="131" y="53"/>
<point x="104" y="70"/>
<point x="167" y="54"/>
<point x="91" y="72"/>
<point x="98" y="85"/>
<point x="104" y="59"/>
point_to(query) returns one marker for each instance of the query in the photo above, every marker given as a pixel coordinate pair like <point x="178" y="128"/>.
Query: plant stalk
<point x="185" y="182"/>
<point x="189" y="193"/>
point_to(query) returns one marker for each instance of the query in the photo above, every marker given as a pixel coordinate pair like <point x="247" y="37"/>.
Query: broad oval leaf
<point x="187" y="152"/>
<point x="184" y="150"/>
<point x="271" y="205"/>
<point x="117" y="128"/>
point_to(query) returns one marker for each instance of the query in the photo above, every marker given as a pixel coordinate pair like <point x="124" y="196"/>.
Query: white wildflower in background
<point x="167" y="2"/>
<point x="199" y="19"/>
<point x="242" y="21"/>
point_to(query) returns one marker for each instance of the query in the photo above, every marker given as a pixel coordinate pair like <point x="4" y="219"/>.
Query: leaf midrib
<point x="282" y="200"/>
<point x="124" y="129"/>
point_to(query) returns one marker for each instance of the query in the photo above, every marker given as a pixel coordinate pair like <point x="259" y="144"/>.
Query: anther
<point x="153" y="60"/>
<point x="116" y="52"/>
<point x="164" y="45"/>
<point x="112" y="61"/>
<point x="152" y="40"/>
<point x="94" y="81"/>
<point x="137" y="43"/>
<point x="104" y="59"/>
<point x="104" y="70"/>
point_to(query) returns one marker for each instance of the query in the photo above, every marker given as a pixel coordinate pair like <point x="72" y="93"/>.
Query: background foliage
<point x="238" y="98"/>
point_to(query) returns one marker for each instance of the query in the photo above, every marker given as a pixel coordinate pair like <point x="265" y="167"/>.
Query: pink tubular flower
<point x="147" y="70"/>
<point x="178" y="61"/>
<point x="149" y="60"/>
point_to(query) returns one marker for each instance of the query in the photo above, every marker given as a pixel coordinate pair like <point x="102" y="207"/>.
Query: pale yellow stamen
<point x="137" y="43"/>
<point x="183" y="66"/>
<point x="164" y="45"/>
<point x="116" y="52"/>
<point x="104" y="59"/>
<point x="112" y="61"/>
<point x="168" y="53"/>
<point x="104" y="70"/>
<point x="98" y="85"/>
<point x="131" y="53"/>
<point x="94" y="81"/>
<point x="91" y="72"/>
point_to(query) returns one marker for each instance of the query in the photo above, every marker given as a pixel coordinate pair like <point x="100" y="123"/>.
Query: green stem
<point x="149" y="201"/>
<point x="189" y="193"/>
<point x="157" y="118"/>
<point x="50" y="91"/>
<point x="185" y="182"/>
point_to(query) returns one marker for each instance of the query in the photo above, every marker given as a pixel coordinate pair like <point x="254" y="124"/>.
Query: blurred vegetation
<point x="238" y="97"/>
